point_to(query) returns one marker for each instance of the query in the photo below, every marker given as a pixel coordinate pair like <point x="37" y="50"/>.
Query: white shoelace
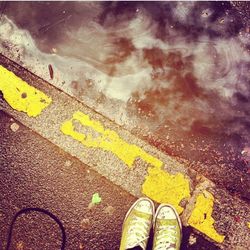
<point x="167" y="238"/>
<point x="138" y="232"/>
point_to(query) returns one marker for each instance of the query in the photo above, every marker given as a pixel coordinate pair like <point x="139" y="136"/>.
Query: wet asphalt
<point x="36" y="173"/>
<point x="213" y="150"/>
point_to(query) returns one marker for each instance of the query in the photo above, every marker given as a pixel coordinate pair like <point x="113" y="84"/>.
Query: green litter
<point x="96" y="199"/>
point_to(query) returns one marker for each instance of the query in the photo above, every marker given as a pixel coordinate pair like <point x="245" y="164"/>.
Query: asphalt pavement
<point x="36" y="173"/>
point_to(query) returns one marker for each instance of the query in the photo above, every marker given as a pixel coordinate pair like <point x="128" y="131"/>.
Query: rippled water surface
<point x="174" y="73"/>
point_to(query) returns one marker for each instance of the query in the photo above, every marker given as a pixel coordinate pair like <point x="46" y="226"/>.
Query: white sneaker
<point x="167" y="229"/>
<point x="137" y="224"/>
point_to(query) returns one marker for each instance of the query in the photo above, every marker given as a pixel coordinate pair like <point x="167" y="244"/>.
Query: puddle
<point x="176" y="74"/>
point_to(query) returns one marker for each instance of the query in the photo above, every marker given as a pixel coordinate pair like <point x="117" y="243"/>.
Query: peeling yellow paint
<point x="163" y="187"/>
<point x="96" y="136"/>
<point x="159" y="185"/>
<point x="20" y="95"/>
<point x="201" y="217"/>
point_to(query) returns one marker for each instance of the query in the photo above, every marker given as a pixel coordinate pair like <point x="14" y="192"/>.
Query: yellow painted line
<point x="106" y="139"/>
<point x="20" y="95"/>
<point x="159" y="185"/>
<point x="201" y="217"/>
<point x="163" y="187"/>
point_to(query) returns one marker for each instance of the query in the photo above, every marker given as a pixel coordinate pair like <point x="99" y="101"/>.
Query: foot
<point x="167" y="229"/>
<point x="137" y="224"/>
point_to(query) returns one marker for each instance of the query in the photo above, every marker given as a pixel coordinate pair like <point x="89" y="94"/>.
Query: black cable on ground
<point x="39" y="210"/>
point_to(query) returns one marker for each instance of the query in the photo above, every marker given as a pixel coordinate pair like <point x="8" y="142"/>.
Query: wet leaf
<point x="96" y="199"/>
